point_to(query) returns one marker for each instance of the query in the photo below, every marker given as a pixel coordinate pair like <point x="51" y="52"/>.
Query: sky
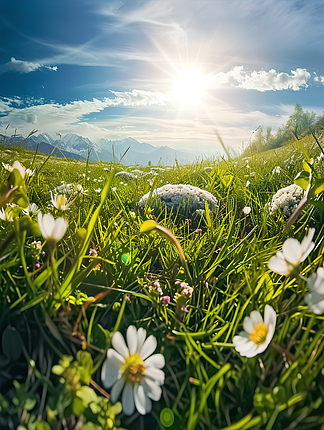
<point x="165" y="72"/>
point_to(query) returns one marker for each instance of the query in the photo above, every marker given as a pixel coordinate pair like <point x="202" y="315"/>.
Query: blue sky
<point x="164" y="72"/>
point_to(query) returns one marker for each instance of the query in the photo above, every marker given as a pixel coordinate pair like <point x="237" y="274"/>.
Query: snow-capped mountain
<point x="120" y="146"/>
<point x="74" y="146"/>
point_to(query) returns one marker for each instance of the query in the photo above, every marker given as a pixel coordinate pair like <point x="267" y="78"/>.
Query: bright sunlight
<point x="188" y="87"/>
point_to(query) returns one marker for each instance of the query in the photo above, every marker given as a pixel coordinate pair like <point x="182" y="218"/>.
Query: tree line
<point x="300" y="123"/>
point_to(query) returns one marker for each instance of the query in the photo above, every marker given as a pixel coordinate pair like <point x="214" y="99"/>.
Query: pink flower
<point x="184" y="309"/>
<point x="165" y="300"/>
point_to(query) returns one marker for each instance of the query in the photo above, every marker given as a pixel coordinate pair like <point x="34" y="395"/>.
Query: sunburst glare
<point x="188" y="87"/>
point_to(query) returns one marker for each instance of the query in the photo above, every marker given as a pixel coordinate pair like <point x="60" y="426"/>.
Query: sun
<point x="188" y="87"/>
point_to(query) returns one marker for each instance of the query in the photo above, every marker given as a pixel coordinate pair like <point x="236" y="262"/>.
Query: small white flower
<point x="247" y="210"/>
<point x="133" y="214"/>
<point x="113" y="189"/>
<point x="293" y="253"/>
<point x="60" y="202"/>
<point x="16" y="165"/>
<point x="276" y="170"/>
<point x="5" y="215"/>
<point x="31" y="209"/>
<point x="315" y="298"/>
<point x="247" y="183"/>
<point x="257" y="333"/>
<point x="52" y="229"/>
<point x="97" y="190"/>
<point x="134" y="371"/>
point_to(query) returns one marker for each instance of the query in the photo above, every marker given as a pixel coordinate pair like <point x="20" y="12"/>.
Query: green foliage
<point x="60" y="306"/>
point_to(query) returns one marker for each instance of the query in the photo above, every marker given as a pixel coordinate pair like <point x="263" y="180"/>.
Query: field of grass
<point x="189" y="282"/>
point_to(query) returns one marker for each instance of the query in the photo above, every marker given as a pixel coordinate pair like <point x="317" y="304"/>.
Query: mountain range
<point x="76" y="147"/>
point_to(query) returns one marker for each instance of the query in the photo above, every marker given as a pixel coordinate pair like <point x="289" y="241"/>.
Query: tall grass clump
<point x="115" y="316"/>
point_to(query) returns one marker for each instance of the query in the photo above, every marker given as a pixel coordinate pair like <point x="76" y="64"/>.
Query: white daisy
<point x="293" y="253"/>
<point x="315" y="298"/>
<point x="247" y="210"/>
<point x="60" y="202"/>
<point x="52" y="229"/>
<point x="31" y="209"/>
<point x="134" y="371"/>
<point x="258" y="333"/>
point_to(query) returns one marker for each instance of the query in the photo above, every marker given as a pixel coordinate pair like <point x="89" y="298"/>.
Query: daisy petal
<point x="148" y="347"/>
<point x="278" y="265"/>
<point x="141" y="335"/>
<point x="111" y="368"/>
<point x="156" y="360"/>
<point x="248" y="324"/>
<point x="142" y="402"/>
<point x="256" y="318"/>
<point x="119" y="344"/>
<point x="116" y="390"/>
<point x="152" y="390"/>
<point x="269" y="316"/>
<point x="156" y="375"/>
<point x="131" y="336"/>
<point x="128" y="399"/>
<point x="292" y="251"/>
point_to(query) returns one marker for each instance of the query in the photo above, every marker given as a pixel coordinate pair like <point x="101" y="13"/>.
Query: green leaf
<point x="87" y="395"/>
<point x="12" y="343"/>
<point x="78" y="407"/>
<point x="227" y="179"/>
<point x="317" y="188"/>
<point x="302" y="179"/>
<point x="43" y="425"/>
<point x="85" y="366"/>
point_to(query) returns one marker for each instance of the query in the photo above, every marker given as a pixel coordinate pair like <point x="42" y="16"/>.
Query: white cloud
<point x="51" y="117"/>
<point x="23" y="66"/>
<point x="261" y="80"/>
<point x="140" y="98"/>
<point x="273" y="81"/>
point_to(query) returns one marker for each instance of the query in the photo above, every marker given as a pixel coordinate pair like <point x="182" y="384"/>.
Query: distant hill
<point x="74" y="146"/>
<point x="44" y="147"/>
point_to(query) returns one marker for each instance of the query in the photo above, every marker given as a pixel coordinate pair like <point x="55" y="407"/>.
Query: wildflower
<point x="185" y="309"/>
<point x="30" y="172"/>
<point x="60" y="202"/>
<point x="247" y="183"/>
<point x="133" y="214"/>
<point x="97" y="190"/>
<point x="315" y="298"/>
<point x="36" y="244"/>
<point x="165" y="300"/>
<point x="52" y="229"/>
<point x="31" y="209"/>
<point x="16" y="165"/>
<point x="276" y="170"/>
<point x="257" y="333"/>
<point x="113" y="189"/>
<point x="6" y="215"/>
<point x="287" y="261"/>
<point x="286" y="199"/>
<point x="247" y="210"/>
<point x="198" y="231"/>
<point x="133" y="370"/>
<point x="93" y="252"/>
<point x="79" y="188"/>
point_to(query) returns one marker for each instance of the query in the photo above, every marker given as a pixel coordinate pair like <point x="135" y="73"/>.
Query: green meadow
<point x="232" y="344"/>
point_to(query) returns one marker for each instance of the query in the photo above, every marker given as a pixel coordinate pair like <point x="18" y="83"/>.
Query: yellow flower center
<point x="259" y="334"/>
<point x="61" y="201"/>
<point x="133" y="367"/>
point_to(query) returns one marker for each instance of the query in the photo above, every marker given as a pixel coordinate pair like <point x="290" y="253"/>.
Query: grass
<point x="73" y="303"/>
